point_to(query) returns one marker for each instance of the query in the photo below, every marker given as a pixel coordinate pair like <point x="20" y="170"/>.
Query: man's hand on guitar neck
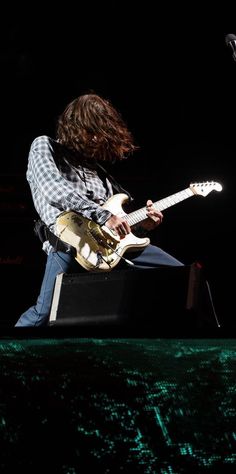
<point x="154" y="217"/>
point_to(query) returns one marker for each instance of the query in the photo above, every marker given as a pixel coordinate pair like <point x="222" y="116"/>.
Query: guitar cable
<point x="99" y="254"/>
<point x="212" y="304"/>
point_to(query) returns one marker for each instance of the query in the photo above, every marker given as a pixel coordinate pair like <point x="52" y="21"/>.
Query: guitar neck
<point x="141" y="214"/>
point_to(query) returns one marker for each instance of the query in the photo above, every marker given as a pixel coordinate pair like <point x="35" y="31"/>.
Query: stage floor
<point x="116" y="405"/>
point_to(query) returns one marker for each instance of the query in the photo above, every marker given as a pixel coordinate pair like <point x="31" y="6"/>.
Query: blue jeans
<point x="60" y="262"/>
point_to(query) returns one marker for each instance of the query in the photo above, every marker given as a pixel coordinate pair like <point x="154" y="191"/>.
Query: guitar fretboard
<point x="141" y="214"/>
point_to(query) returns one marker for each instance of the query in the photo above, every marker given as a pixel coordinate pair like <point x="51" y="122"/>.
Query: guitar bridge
<point x="101" y="239"/>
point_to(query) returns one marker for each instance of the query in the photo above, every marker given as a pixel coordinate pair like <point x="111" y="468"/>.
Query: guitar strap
<point x="43" y="233"/>
<point x="117" y="187"/>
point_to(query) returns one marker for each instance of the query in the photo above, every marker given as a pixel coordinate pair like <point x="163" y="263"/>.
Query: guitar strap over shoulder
<point x="115" y="184"/>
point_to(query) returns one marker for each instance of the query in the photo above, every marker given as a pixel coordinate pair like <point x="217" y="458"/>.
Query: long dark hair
<point x="94" y="129"/>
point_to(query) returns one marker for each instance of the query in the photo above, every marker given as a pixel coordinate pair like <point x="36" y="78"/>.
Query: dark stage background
<point x="170" y="73"/>
<point x="121" y="404"/>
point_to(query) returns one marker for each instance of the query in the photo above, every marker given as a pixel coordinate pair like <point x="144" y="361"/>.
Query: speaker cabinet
<point x="134" y="297"/>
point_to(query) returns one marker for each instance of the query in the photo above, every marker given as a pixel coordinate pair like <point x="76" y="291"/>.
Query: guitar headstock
<point x="204" y="188"/>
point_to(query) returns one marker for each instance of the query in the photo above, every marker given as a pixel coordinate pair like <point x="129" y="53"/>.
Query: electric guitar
<point x="99" y="248"/>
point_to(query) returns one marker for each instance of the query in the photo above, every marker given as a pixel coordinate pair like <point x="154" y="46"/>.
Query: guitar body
<point x="97" y="247"/>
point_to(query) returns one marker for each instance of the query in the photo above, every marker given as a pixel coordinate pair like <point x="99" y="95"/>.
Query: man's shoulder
<point x="42" y="141"/>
